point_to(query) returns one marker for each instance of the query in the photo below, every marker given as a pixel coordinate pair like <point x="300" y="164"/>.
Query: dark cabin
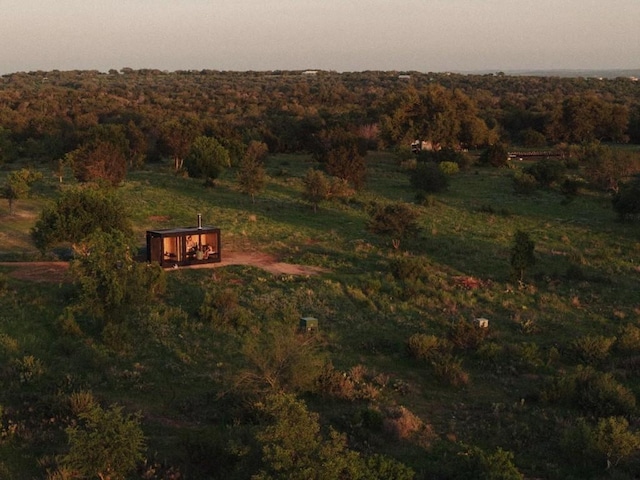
<point x="174" y="247"/>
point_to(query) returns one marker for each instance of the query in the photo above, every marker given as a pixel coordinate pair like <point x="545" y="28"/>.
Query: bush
<point x="524" y="183"/>
<point x="629" y="339"/>
<point x="593" y="349"/>
<point x="593" y="392"/>
<point x="547" y="171"/>
<point x="423" y="347"/>
<point x="106" y="444"/>
<point x="77" y="214"/>
<point x="448" y="369"/>
<point x="466" y="335"/>
<point x="409" y="268"/>
<point x="449" y="168"/>
<point x="428" y="177"/>
<point x="398" y="220"/>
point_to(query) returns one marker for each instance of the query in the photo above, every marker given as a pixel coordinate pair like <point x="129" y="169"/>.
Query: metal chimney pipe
<point x="199" y="221"/>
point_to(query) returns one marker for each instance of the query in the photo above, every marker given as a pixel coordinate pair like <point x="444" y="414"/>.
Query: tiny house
<point x="176" y="247"/>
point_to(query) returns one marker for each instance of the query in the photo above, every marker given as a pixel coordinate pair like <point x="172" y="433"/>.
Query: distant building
<point x="310" y="72"/>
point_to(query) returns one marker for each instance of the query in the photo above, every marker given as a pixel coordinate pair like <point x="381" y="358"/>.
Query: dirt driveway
<point x="56" y="272"/>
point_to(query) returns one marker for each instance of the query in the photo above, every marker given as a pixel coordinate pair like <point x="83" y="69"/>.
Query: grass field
<point x="174" y="366"/>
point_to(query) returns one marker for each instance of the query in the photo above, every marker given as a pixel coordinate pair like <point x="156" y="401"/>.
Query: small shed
<point x="308" y="324"/>
<point x="173" y="247"/>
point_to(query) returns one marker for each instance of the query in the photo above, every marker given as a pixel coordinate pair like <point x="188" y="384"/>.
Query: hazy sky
<point x="342" y="35"/>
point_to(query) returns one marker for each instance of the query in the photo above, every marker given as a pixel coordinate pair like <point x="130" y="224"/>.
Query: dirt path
<point x="57" y="272"/>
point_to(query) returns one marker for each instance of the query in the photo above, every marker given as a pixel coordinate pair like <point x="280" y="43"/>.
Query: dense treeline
<point x="150" y="114"/>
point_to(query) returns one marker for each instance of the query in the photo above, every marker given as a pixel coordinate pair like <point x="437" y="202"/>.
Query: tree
<point x="614" y="441"/>
<point x="293" y="447"/>
<point x="177" y="137"/>
<point x="522" y="256"/>
<point x="626" y="202"/>
<point x="17" y="185"/>
<point x="102" y="156"/>
<point x="316" y="187"/>
<point x="78" y="213"/>
<point x="109" y="280"/>
<point x="348" y="163"/>
<point x="606" y="168"/>
<point x="206" y="159"/>
<point x="397" y="220"/>
<point x="495" y="155"/>
<point x="106" y="444"/>
<point x="279" y="359"/>
<point x="252" y="174"/>
<point x="100" y="161"/>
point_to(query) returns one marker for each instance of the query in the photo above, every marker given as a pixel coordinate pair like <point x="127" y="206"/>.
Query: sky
<point x="339" y="35"/>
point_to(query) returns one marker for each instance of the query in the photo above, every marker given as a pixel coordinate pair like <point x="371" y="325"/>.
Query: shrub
<point x="428" y="177"/>
<point x="106" y="444"/>
<point x="593" y="392"/>
<point x="593" y="349"/>
<point x="398" y="220"/>
<point x="524" y="183"/>
<point x="448" y="369"/>
<point x="629" y="338"/>
<point x="422" y="346"/>
<point x="409" y="268"/>
<point x="78" y="213"/>
<point x="28" y="368"/>
<point x="466" y="335"/>
<point x="401" y="423"/>
<point x="547" y="171"/>
<point x="449" y="168"/>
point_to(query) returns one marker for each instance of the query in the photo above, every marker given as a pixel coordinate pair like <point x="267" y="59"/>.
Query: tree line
<point x="145" y="115"/>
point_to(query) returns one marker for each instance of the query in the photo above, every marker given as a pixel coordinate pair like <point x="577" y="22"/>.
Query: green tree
<point x="293" y="447"/>
<point x="78" y="213"/>
<point x="252" y="175"/>
<point x="347" y="163"/>
<point x="607" y="168"/>
<point x="278" y="358"/>
<point x="18" y="185"/>
<point x="109" y="280"/>
<point x="522" y="256"/>
<point x="317" y="187"/>
<point x="614" y="440"/>
<point x="206" y="159"/>
<point x="176" y="137"/>
<point x="107" y="444"/>
<point x="397" y="220"/>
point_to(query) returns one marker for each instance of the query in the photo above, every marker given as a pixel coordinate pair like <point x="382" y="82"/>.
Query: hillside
<point x="397" y="364"/>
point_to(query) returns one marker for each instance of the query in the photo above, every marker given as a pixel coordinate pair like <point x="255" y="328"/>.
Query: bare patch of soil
<point x="57" y="272"/>
<point x="53" y="272"/>
<point x="264" y="261"/>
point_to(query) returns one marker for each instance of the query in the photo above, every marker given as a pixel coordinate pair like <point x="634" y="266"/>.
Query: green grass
<point x="173" y="367"/>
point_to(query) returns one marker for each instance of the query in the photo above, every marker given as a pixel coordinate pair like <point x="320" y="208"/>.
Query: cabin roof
<point x="184" y="230"/>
